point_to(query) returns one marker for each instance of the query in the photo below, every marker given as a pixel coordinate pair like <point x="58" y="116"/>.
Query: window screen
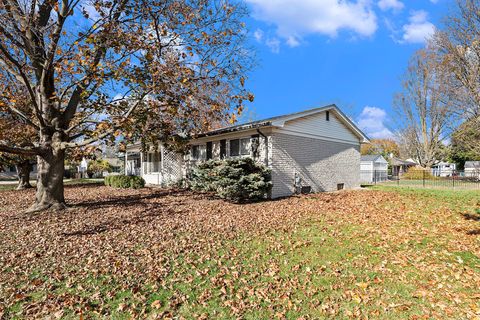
<point x="234" y="147"/>
<point x="209" y="150"/>
<point x="198" y="152"/>
<point x="223" y="148"/>
<point x="153" y="162"/>
<point x="244" y="146"/>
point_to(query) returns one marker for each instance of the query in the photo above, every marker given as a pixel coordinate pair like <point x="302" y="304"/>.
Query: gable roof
<point x="472" y="164"/>
<point x="370" y="157"/>
<point x="279" y="121"/>
<point x="399" y="162"/>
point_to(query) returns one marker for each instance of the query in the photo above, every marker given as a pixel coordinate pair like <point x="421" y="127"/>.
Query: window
<point x="245" y="146"/>
<point x="234" y="148"/>
<point x="154" y="162"/>
<point x="198" y="152"/>
<point x="239" y="147"/>
<point x="223" y="148"/>
<point x="327" y="115"/>
<point x="209" y="150"/>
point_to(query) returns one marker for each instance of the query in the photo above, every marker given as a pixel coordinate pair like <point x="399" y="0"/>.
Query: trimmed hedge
<point x="232" y="179"/>
<point x="415" y="173"/>
<point x="124" y="182"/>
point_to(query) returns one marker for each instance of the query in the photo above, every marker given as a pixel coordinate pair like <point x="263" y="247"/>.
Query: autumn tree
<point x="96" y="69"/>
<point x="16" y="133"/>
<point x="385" y="147"/>
<point x="465" y="142"/>
<point x="459" y="43"/>
<point x="425" y="107"/>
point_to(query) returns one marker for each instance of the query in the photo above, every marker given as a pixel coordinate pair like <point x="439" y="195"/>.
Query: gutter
<point x="232" y="129"/>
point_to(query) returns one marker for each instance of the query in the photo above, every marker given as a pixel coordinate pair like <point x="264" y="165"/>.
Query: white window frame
<point x="151" y="162"/>
<point x="202" y="152"/>
<point x="241" y="141"/>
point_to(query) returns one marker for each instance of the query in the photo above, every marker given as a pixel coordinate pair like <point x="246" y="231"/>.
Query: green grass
<point x="438" y="183"/>
<point x="7" y="187"/>
<point x="324" y="268"/>
<point x="69" y="182"/>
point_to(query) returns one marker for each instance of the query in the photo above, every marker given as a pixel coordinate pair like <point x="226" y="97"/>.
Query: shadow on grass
<point x="475" y="232"/>
<point x="145" y="216"/>
<point x="132" y="200"/>
<point x="471" y="216"/>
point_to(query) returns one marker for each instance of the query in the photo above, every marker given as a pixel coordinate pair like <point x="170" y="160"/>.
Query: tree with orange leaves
<point x="98" y="69"/>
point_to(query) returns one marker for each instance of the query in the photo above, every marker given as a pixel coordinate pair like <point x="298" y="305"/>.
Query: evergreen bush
<point x="232" y="179"/>
<point x="124" y="182"/>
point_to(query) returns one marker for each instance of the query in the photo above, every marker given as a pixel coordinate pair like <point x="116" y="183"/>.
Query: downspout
<point x="266" y="146"/>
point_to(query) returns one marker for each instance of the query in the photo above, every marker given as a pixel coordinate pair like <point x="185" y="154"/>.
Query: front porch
<point x="159" y="166"/>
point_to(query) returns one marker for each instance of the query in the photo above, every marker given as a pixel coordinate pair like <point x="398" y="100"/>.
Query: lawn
<point x="12" y="185"/>
<point x="386" y="253"/>
<point x="439" y="183"/>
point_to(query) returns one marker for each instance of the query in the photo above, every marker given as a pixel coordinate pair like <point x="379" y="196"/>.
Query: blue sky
<point x="315" y="52"/>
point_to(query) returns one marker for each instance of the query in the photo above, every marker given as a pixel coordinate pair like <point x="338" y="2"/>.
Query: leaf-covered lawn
<point x="384" y="253"/>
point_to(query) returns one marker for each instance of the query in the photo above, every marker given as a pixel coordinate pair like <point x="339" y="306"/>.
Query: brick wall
<point x="318" y="163"/>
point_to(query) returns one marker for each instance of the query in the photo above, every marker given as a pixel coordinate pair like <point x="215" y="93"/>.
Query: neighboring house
<point x="472" y="169"/>
<point x="444" y="169"/>
<point x="400" y="166"/>
<point x="313" y="150"/>
<point x="373" y="168"/>
<point x="11" y="173"/>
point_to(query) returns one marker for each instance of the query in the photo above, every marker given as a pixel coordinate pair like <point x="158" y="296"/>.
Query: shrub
<point x="125" y="182"/>
<point x="414" y="173"/>
<point x="232" y="179"/>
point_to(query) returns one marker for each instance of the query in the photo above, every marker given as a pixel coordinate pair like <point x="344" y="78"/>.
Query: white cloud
<point x="273" y="44"/>
<point x="296" y="18"/>
<point x="258" y="35"/>
<point x="394" y="5"/>
<point x="90" y="9"/>
<point x="419" y="29"/>
<point x="293" y="41"/>
<point x="372" y="122"/>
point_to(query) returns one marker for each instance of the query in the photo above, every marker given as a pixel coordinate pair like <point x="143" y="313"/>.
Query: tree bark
<point x="50" y="194"/>
<point x="23" y="171"/>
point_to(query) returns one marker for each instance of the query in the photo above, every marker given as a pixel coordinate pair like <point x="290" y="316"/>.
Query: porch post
<point x="141" y="163"/>
<point x="161" y="158"/>
<point x="126" y="163"/>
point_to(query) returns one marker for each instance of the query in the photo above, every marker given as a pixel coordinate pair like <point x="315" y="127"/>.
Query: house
<point x="10" y="173"/>
<point x="313" y="150"/>
<point x="444" y="169"/>
<point x="400" y="166"/>
<point x="472" y="169"/>
<point x="373" y="168"/>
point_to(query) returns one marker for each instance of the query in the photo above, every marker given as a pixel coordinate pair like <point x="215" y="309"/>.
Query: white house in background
<point x="373" y="168"/>
<point x="444" y="169"/>
<point x="472" y="169"/>
<point x="309" y="151"/>
<point x="10" y="173"/>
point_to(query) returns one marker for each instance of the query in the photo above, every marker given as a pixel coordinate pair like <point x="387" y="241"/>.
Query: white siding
<point x="366" y="165"/>
<point x="317" y="126"/>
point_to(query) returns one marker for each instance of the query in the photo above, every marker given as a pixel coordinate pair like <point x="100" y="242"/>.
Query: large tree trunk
<point x="50" y="193"/>
<point x="23" y="171"/>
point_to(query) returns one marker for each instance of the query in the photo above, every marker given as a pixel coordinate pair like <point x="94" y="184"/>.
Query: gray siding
<point x="320" y="164"/>
<point x="316" y="126"/>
